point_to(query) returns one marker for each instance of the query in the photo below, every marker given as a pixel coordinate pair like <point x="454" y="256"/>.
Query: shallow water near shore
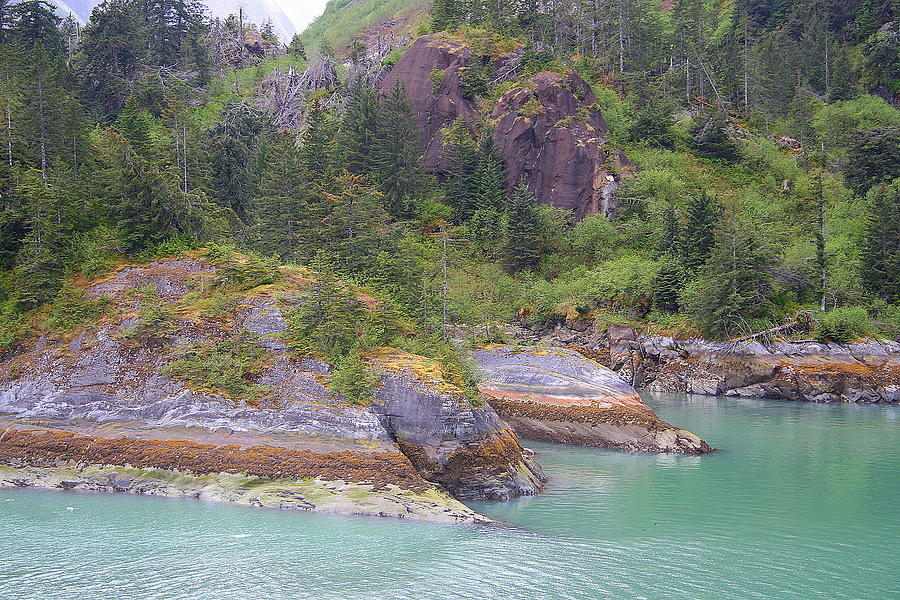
<point x="799" y="502"/>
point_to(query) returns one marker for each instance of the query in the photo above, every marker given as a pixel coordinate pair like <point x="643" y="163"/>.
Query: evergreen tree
<point x="43" y="102"/>
<point x="489" y="194"/>
<point x="296" y="47"/>
<point x="113" y="47"/>
<point x="463" y="158"/>
<point x="667" y="286"/>
<point x="319" y="145"/>
<point x="669" y="241"/>
<point x="881" y="243"/>
<point x="735" y="286"/>
<point x="711" y="139"/>
<point x="446" y="14"/>
<point x="873" y="158"/>
<point x="356" y="228"/>
<point x="135" y="126"/>
<point x="327" y="322"/>
<point x="36" y="23"/>
<point x="523" y="247"/>
<point x="399" y="154"/>
<point x="172" y="26"/>
<point x="697" y="236"/>
<point x="39" y="262"/>
<point x="237" y="146"/>
<point x="654" y="124"/>
<point x="359" y="130"/>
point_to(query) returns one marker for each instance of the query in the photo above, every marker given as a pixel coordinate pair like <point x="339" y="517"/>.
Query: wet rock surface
<point x="96" y="398"/>
<point x="558" y="395"/>
<point x="865" y="371"/>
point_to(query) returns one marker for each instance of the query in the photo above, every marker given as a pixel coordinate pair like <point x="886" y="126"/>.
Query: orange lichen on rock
<point x="40" y="447"/>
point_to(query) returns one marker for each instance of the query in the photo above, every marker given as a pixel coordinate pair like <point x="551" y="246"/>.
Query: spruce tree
<point x="669" y="241"/>
<point x="523" y="243"/>
<point x="357" y="226"/>
<point x="135" y="126"/>
<point x="697" y="236"/>
<point x="39" y="262"/>
<point x="399" y="154"/>
<point x="711" y="139"/>
<point x="667" y="286"/>
<point x="881" y="243"/>
<point x="359" y="130"/>
<point x="318" y="144"/>
<point x="463" y="157"/>
<point x="735" y="286"/>
<point x="873" y="158"/>
<point x="487" y="220"/>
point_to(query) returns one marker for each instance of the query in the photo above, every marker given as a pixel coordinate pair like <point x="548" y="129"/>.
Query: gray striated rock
<point x="866" y="371"/>
<point x="558" y="395"/>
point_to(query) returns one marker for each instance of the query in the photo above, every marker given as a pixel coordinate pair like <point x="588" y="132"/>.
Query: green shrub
<point x="72" y="307"/>
<point x="94" y="252"/>
<point x="228" y="367"/>
<point x="12" y="328"/>
<point x="843" y="325"/>
<point x="155" y="318"/>
<point x="353" y="379"/>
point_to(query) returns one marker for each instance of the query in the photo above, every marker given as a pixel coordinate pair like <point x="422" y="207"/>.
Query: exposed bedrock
<point x="549" y="128"/>
<point x="865" y="371"/>
<point x="553" y="136"/>
<point x="558" y="395"/>
<point x="90" y="403"/>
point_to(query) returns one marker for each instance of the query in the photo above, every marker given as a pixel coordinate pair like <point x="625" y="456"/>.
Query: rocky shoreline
<point x="557" y="395"/>
<point x="865" y="371"/>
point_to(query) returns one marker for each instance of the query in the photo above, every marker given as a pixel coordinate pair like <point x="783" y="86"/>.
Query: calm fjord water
<point x="800" y="502"/>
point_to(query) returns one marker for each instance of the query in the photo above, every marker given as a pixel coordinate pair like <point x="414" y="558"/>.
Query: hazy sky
<point x="302" y="12"/>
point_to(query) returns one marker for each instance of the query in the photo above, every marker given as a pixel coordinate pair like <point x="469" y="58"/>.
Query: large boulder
<point x="553" y="136"/>
<point x="558" y="395"/>
<point x="95" y="408"/>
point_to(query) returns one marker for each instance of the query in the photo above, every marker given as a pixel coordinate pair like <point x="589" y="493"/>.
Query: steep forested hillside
<point x="742" y="159"/>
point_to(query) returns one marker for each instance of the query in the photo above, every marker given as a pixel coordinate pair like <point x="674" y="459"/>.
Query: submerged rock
<point x="98" y="400"/>
<point x="558" y="395"/>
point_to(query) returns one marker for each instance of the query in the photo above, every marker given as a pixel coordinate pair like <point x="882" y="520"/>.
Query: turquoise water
<point x="800" y="502"/>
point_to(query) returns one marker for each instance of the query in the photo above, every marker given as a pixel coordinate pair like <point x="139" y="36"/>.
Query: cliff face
<point x="807" y="371"/>
<point x="86" y="406"/>
<point x="430" y="70"/>
<point x="558" y="395"/>
<point x="553" y="136"/>
<point x="548" y="128"/>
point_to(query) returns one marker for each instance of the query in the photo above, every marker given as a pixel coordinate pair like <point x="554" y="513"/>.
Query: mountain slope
<point x="346" y="20"/>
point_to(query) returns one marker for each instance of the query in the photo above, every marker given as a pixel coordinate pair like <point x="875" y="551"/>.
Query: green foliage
<point x="247" y="271"/>
<point x="667" y="287"/>
<point x="229" y="367"/>
<point x="72" y="307"/>
<point x="873" y="158"/>
<point x="154" y="322"/>
<point x="881" y="242"/>
<point x="12" y="327"/>
<point x="697" y="237"/>
<point x="654" y="125"/>
<point x="843" y="325"/>
<point x="732" y="295"/>
<point x="94" y="252"/>
<point x="838" y="123"/>
<point x="475" y="79"/>
<point x="523" y="246"/>
<point x="352" y="379"/>
<point x="711" y="139"/>
<point x="329" y="321"/>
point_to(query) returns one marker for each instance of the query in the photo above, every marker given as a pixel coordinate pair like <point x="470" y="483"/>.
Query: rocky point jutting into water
<point x="549" y="129"/>
<point x="96" y="409"/>
<point x="558" y="395"/>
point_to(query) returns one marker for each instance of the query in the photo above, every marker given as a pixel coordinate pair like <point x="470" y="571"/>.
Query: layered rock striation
<point x="865" y="371"/>
<point x="95" y="409"/>
<point x="558" y="395"/>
